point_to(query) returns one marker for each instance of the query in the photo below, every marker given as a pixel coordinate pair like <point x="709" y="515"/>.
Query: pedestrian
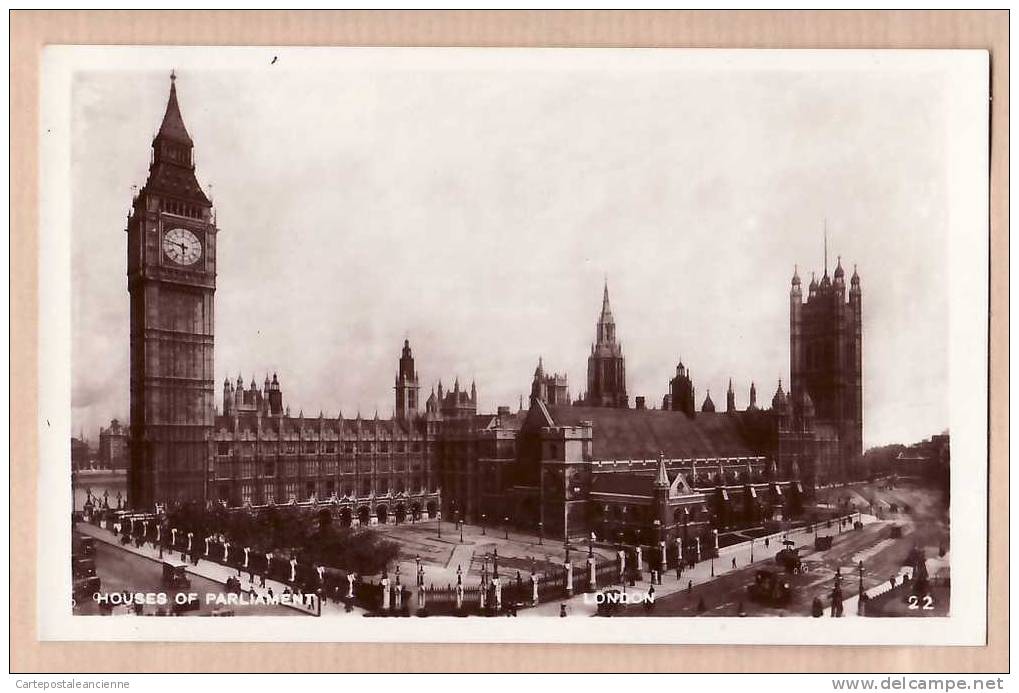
<point x="679" y="570"/>
<point x="562" y="610"/>
<point x="734" y="563"/>
<point x="765" y="542"/>
<point x="689" y="587"/>
<point x="261" y="579"/>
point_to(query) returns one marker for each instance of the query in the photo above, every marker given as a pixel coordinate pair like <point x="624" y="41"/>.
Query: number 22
<point x="915" y="602"/>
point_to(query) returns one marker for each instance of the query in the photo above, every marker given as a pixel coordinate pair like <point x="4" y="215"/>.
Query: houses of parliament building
<point x="557" y="466"/>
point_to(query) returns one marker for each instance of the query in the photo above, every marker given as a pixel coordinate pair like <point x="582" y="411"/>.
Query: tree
<point x="360" y="551"/>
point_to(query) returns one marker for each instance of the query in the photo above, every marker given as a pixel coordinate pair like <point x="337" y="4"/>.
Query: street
<point x="123" y="571"/>
<point x="883" y="557"/>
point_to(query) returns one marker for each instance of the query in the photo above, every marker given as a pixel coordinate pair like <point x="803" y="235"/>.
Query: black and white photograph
<point x="676" y="346"/>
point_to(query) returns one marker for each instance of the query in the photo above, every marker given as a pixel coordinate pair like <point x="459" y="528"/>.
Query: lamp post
<point x="505" y="521"/>
<point x="461" y="523"/>
<point x="438" y="523"/>
<point x="751" y="549"/>
<point x="590" y="545"/>
<point x="541" y="532"/>
<point x="566" y="544"/>
<point x="483" y="524"/>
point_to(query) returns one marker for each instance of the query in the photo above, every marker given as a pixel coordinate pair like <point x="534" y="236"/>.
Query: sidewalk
<point x="210" y="570"/>
<point x="699" y="574"/>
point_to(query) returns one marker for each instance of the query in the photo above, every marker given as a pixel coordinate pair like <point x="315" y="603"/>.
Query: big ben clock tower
<point x="171" y="279"/>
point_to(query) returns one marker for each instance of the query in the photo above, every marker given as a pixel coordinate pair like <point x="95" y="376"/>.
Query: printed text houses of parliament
<point x="559" y="467"/>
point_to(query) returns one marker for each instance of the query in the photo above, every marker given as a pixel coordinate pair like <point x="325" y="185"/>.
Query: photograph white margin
<point x="967" y="72"/>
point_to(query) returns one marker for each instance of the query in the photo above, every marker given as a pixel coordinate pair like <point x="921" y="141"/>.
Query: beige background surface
<point x="30" y="31"/>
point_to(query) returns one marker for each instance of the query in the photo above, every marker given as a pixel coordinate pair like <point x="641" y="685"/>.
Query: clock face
<point x="182" y="246"/>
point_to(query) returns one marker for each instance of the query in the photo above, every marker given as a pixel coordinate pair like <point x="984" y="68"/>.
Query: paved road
<point x="121" y="570"/>
<point x="883" y="557"/>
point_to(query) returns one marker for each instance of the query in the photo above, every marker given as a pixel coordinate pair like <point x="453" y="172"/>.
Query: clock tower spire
<point x="171" y="281"/>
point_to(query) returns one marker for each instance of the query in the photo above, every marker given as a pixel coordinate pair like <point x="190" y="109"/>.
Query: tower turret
<point x="730" y="399"/>
<point x="708" y="405"/>
<point x="826" y="344"/>
<point x="275" y="397"/>
<point x="681" y="391"/>
<point x="406" y="387"/>
<point x="228" y="397"/>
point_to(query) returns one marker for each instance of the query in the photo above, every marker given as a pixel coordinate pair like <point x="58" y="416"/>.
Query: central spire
<point x="606" y="371"/>
<point x="606" y="309"/>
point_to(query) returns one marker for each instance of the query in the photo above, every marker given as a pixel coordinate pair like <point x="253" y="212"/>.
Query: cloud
<point x="478" y="212"/>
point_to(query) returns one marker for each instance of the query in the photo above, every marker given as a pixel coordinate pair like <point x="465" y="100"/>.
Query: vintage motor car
<point x="770" y="588"/>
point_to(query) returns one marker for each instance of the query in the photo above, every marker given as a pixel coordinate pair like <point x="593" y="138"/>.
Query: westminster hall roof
<point x="621" y="434"/>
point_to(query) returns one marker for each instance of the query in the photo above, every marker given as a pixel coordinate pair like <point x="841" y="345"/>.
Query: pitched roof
<point x="174" y="178"/>
<point x="629" y="484"/>
<point x="621" y="434"/>
<point x="173" y="123"/>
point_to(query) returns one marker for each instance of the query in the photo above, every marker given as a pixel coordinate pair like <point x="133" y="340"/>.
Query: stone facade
<point x="826" y="363"/>
<point x="556" y="468"/>
<point x="171" y="280"/>
<point x="113" y="450"/>
<point x="606" y="367"/>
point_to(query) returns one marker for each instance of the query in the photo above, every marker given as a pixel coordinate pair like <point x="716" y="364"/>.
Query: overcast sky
<point x="477" y="212"/>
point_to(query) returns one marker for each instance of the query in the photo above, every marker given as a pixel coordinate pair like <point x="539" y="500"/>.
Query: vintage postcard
<point x="513" y="345"/>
